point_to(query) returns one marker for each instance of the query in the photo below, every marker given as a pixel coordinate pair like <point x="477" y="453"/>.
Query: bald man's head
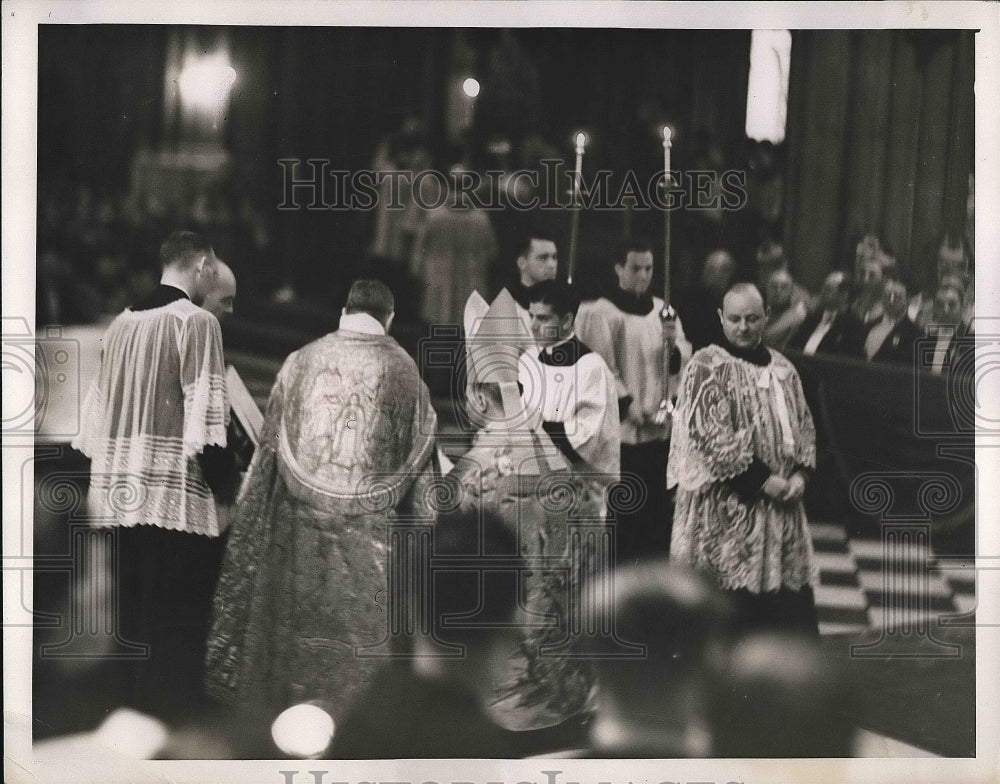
<point x="219" y="301"/>
<point x="743" y="316"/>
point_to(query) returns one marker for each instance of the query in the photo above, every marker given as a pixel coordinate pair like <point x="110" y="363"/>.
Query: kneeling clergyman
<point x="513" y="470"/>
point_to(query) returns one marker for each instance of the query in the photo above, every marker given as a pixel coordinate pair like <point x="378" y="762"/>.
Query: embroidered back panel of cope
<point x="350" y="410"/>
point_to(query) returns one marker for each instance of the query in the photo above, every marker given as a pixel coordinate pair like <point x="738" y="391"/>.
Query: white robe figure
<point x="573" y="391"/>
<point x="627" y="331"/>
<point x="628" y="334"/>
<point x="157" y="401"/>
<point x="157" y="407"/>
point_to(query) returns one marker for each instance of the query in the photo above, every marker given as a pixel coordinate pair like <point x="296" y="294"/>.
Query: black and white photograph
<point x="500" y="393"/>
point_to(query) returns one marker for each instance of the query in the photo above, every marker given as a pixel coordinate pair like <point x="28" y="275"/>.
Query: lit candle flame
<point x="667" y="133"/>
<point x="470" y="87"/>
<point x="581" y="140"/>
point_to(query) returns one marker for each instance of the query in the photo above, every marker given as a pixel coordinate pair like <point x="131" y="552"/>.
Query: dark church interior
<point x="869" y="158"/>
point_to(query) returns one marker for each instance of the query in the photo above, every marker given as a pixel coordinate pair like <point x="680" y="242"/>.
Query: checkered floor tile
<point x="865" y="585"/>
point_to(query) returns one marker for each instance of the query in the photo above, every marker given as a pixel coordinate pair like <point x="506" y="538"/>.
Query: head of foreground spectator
<point x="781" y="697"/>
<point x="657" y="669"/>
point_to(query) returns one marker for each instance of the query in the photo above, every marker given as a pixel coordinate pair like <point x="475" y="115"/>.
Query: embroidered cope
<point x="521" y="477"/>
<point x="157" y="401"/>
<point x="548" y="498"/>
<point x="730" y="414"/>
<point x="346" y="448"/>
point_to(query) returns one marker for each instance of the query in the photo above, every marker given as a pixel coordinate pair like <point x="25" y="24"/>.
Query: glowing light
<point x="205" y="82"/>
<point x="581" y="139"/>
<point x="767" y="84"/>
<point x="303" y="731"/>
<point x="471" y="87"/>
<point x="132" y="734"/>
<point x="667" y="133"/>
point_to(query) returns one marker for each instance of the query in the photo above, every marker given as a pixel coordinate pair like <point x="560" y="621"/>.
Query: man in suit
<point x="869" y="282"/>
<point x="892" y="337"/>
<point x="785" y="312"/>
<point x="947" y="329"/>
<point x="832" y="328"/>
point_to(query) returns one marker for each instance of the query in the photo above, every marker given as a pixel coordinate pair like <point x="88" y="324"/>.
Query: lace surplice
<point x="731" y="412"/>
<point x="157" y="401"/>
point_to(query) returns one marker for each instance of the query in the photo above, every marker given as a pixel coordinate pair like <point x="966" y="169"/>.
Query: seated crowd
<point x="871" y="313"/>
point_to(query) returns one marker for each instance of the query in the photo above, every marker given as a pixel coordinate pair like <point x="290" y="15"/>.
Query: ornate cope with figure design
<point x="347" y="446"/>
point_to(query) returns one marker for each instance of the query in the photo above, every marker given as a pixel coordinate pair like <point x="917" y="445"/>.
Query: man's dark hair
<point x="534" y="232"/>
<point x="633" y="244"/>
<point x="770" y="256"/>
<point x="563" y="297"/>
<point x="372" y="297"/>
<point x="465" y="580"/>
<point x="183" y="249"/>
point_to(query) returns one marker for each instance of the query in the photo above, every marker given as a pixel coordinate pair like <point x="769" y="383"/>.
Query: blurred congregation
<point x="821" y="242"/>
<point x="127" y="154"/>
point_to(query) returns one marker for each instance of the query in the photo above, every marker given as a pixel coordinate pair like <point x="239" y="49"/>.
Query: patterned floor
<point x="868" y="583"/>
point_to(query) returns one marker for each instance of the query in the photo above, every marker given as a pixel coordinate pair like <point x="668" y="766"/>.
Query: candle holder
<point x="581" y="143"/>
<point x="666" y="408"/>
<point x="667" y="313"/>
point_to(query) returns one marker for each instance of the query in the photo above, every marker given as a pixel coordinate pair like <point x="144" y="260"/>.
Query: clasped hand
<point x="788" y="491"/>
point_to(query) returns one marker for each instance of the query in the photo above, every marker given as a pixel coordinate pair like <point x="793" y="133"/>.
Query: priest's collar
<point x="361" y="322"/>
<point x="627" y="302"/>
<point x="759" y="356"/>
<point x="162" y="295"/>
<point x="565" y="353"/>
